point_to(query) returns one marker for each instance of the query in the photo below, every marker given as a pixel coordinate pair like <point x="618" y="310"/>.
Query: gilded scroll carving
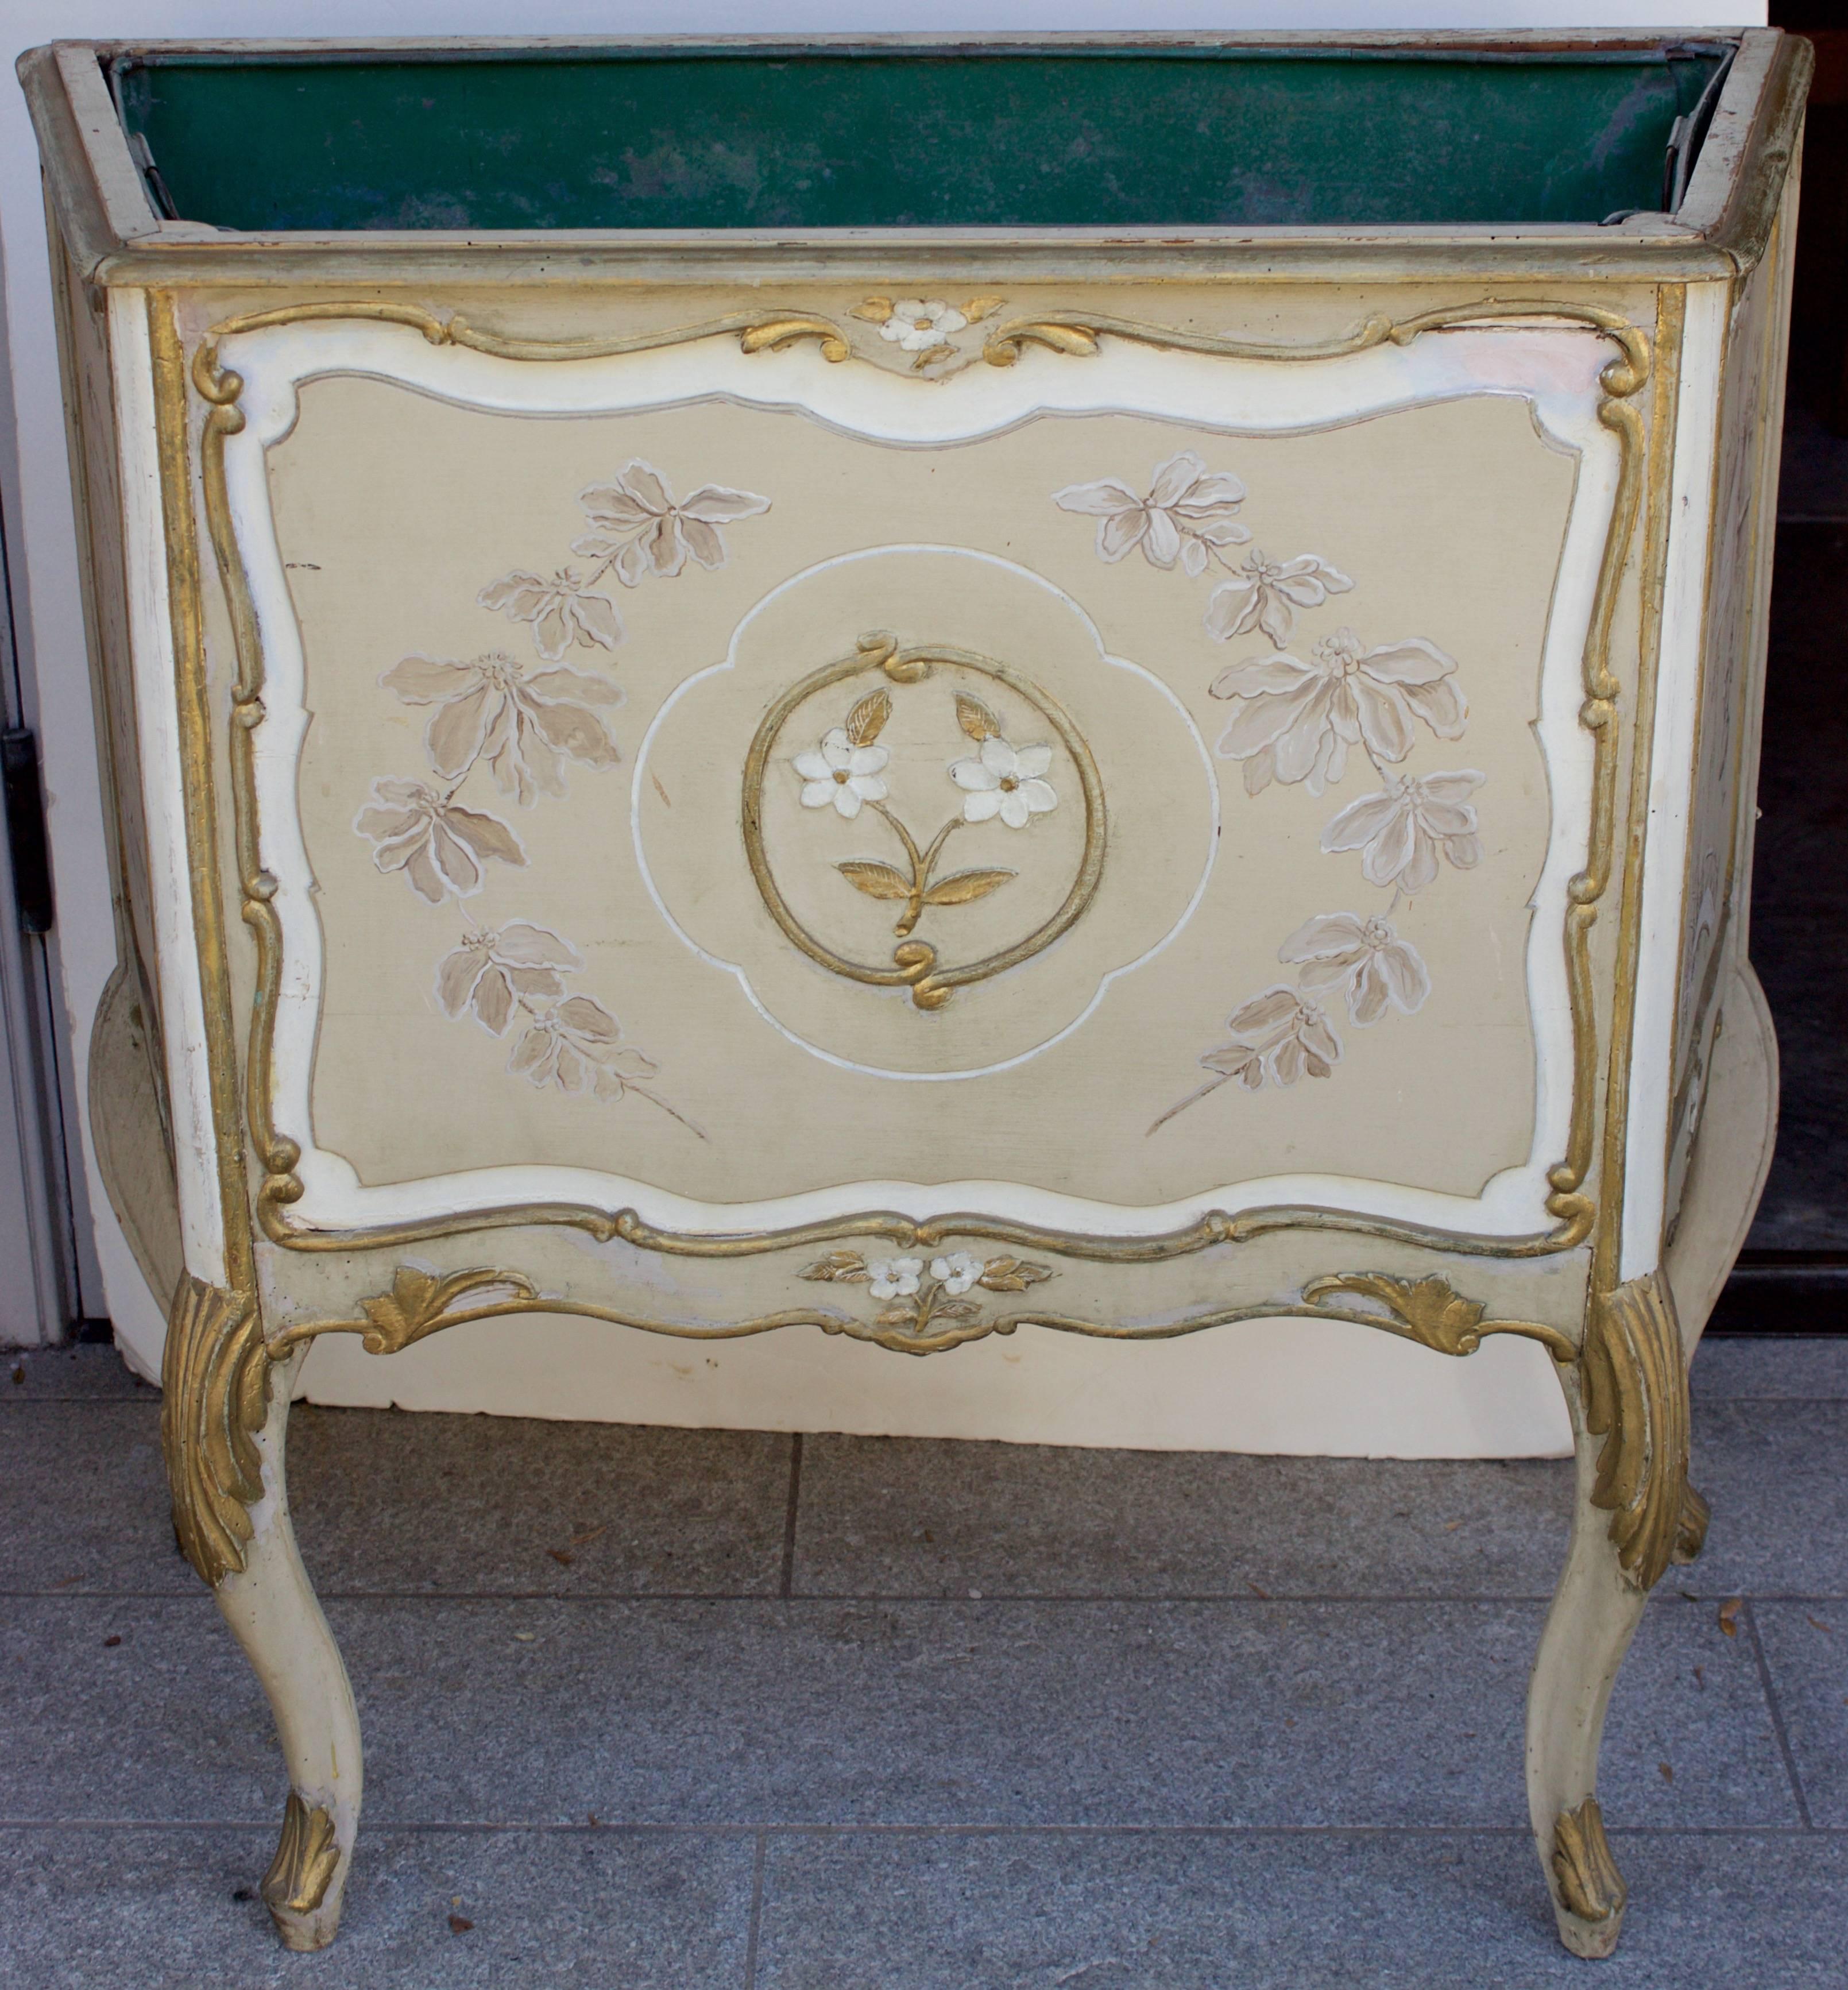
<point x="1430" y="1311"/>
<point x="214" y="1378"/>
<point x="1635" y="1384"/>
<point x="923" y="1309"/>
<point x="1000" y="782"/>
<point x="420" y="1303"/>
<point x="306" y="1859"/>
<point x="1589" y="1882"/>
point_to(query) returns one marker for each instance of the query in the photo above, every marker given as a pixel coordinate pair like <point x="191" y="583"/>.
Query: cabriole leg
<point x="223" y="1421"/>
<point x="1634" y="1512"/>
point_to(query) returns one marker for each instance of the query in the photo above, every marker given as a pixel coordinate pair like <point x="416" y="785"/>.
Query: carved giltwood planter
<point x="791" y="767"/>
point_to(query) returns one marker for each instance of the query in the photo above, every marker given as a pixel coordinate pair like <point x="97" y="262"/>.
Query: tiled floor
<point x="651" y="1707"/>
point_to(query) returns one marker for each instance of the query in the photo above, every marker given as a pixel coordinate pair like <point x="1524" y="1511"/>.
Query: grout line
<point x="1776" y="1712"/>
<point x="789" y="1516"/>
<point x="732" y="1829"/>
<point x="151" y="1401"/>
<point x="750" y="1947"/>
<point x="1076" y="1598"/>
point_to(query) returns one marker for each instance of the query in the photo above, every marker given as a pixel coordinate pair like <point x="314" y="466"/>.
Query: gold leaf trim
<point x="1635" y="1384"/>
<point x="1431" y="1311"/>
<point x="1071" y="335"/>
<point x="420" y="1303"/>
<point x="1589" y="1882"/>
<point x="306" y="1859"/>
<point x="215" y="1379"/>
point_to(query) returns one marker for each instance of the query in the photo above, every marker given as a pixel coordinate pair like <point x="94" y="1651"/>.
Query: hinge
<point x="25" y="828"/>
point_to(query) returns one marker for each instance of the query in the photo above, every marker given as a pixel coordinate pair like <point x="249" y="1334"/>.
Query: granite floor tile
<point x="1806" y="1654"/>
<point x="135" y="1709"/>
<point x="387" y="1502"/>
<point x="82" y="1373"/>
<point x="659" y="1713"/>
<point x="905" y="1517"/>
<point x="1775" y="1365"/>
<point x="1388" y="1911"/>
<point x="175" y="1910"/>
<point x="1026" y="1712"/>
<point x="1776" y="1475"/>
<point x="83" y="1504"/>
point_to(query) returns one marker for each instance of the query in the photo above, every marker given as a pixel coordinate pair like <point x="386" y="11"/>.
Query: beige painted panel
<point x="395" y="511"/>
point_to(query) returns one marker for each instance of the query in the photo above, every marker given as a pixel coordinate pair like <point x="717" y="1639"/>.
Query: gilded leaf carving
<point x="307" y="1858"/>
<point x="976" y="719"/>
<point x="1589" y="1882"/>
<point x="867" y="720"/>
<point x="1430" y="1309"/>
<point x="877" y="881"/>
<point x="215" y="1379"/>
<point x="1634" y="1378"/>
<point x="420" y="1303"/>
<point x="961" y="888"/>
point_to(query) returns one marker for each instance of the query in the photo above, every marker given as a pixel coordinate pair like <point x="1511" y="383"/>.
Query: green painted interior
<point x="725" y="138"/>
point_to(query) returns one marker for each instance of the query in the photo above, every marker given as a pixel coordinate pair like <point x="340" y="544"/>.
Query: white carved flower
<point x="523" y="726"/>
<point x="1265" y="594"/>
<point x="1294" y="720"/>
<point x="560" y="609"/>
<point x="841" y="776"/>
<point x="489" y="972"/>
<point x="1006" y="781"/>
<point x="1400" y="829"/>
<point x="894" y="1278"/>
<point x="1278" y="1036"/>
<point x="638" y="523"/>
<point x="917" y="323"/>
<point x="578" y="1046"/>
<point x="958" y="1271"/>
<point x="439" y="846"/>
<point x="1188" y="513"/>
<point x="1365" y="958"/>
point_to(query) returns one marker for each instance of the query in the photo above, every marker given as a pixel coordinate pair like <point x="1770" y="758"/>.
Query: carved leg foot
<point x="1628" y="1396"/>
<point x="224" y="1419"/>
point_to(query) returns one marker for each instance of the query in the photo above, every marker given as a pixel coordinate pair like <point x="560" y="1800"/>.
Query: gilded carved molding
<point x="1072" y="335"/>
<point x="307" y="1858"/>
<point x="1634" y="1378"/>
<point x="920" y="1308"/>
<point x="215" y="1380"/>
<point x="1589" y="1882"/>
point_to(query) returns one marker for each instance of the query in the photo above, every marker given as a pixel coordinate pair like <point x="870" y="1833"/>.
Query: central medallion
<point x="1020" y="753"/>
<point x="883" y="814"/>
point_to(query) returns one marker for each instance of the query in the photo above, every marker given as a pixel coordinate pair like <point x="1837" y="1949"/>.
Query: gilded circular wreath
<point x="1001" y="780"/>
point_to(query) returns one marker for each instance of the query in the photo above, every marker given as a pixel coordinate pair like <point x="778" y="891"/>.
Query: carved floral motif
<point x="526" y="728"/>
<point x="1294" y="720"/>
<point x="1000" y="782"/>
<point x="1188" y="514"/>
<point x="924" y="1296"/>
<point x="926" y="328"/>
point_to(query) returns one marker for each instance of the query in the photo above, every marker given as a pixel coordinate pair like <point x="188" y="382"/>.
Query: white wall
<point x="1507" y="1404"/>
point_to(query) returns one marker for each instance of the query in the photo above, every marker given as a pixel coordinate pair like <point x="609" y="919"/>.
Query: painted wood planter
<point x="1084" y="687"/>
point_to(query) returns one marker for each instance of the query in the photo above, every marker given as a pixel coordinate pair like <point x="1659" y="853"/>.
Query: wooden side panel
<point x="129" y="1118"/>
<point x="1718" y="889"/>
